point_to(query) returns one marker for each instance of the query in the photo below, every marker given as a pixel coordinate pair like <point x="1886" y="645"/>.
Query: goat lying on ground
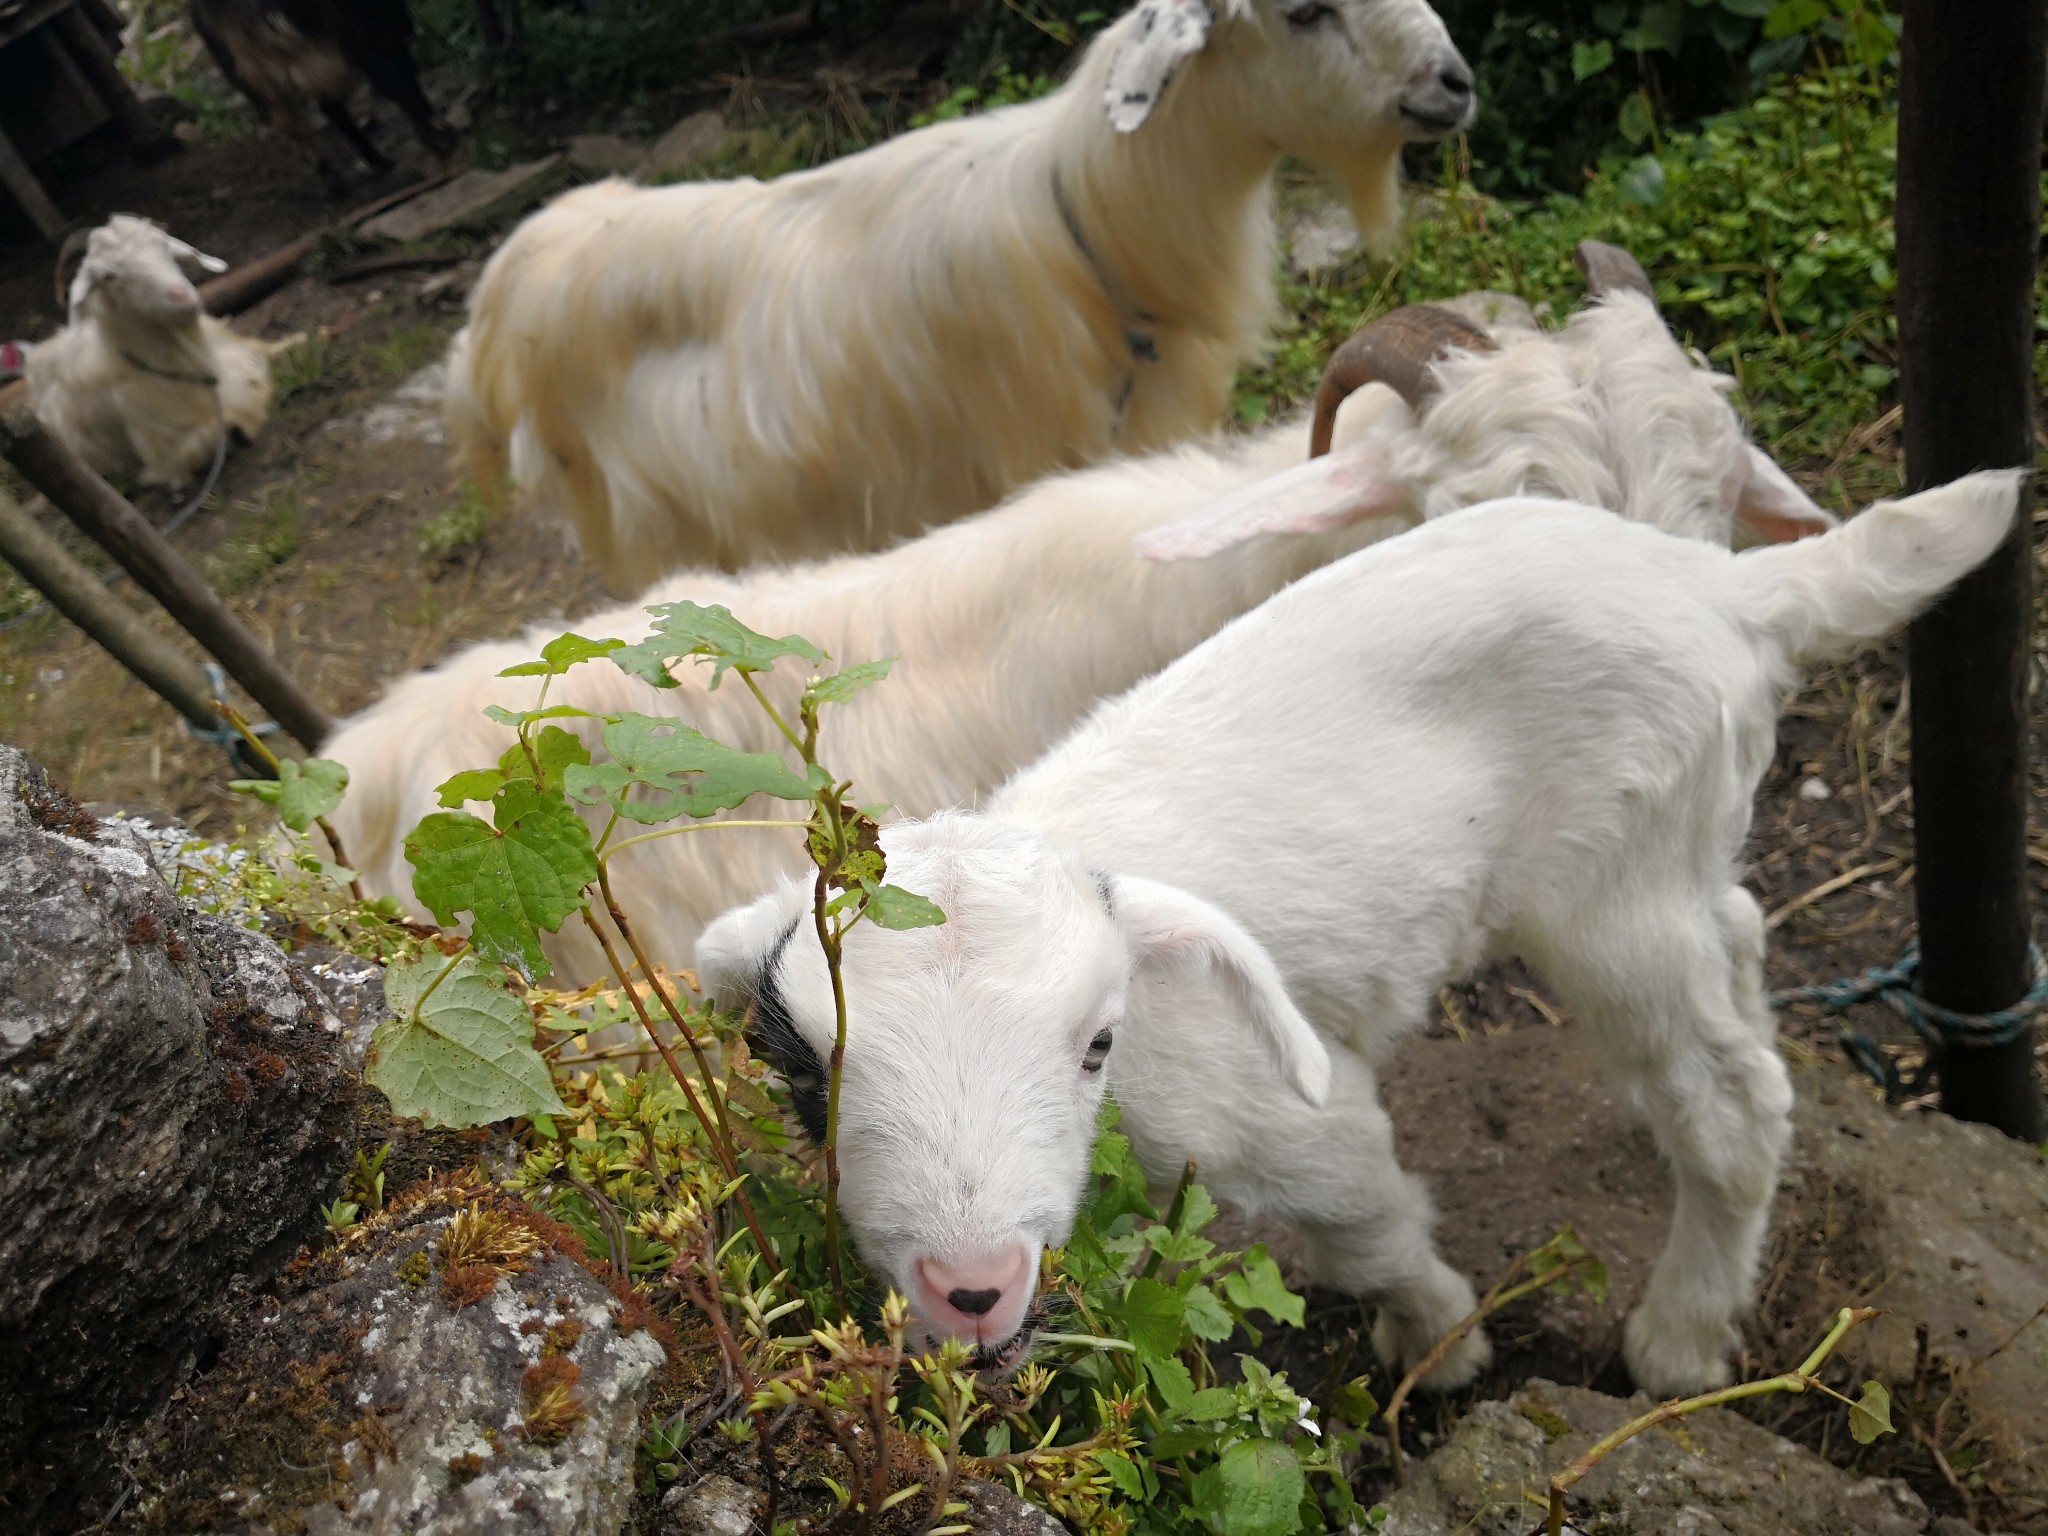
<point x="722" y="372"/>
<point x="141" y="381"/>
<point x="278" y="53"/>
<point x="1010" y="625"/>
<point x="1526" y="728"/>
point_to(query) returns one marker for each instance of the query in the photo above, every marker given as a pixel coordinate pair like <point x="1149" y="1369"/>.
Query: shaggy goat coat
<point x="1525" y="729"/>
<point x="725" y="371"/>
<point x="130" y="381"/>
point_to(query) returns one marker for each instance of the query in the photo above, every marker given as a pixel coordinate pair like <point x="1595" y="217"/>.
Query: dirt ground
<point x="337" y="538"/>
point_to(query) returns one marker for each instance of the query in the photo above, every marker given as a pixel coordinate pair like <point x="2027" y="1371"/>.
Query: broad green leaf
<point x="1209" y="1406"/>
<point x="1207" y="1318"/>
<point x="681" y="772"/>
<point x="1123" y="1472"/>
<point x="1176" y="1387"/>
<point x="465" y="1057"/>
<point x="847" y="681"/>
<point x="556" y="750"/>
<point x="890" y="906"/>
<point x="995" y="1440"/>
<point x="562" y="653"/>
<point x="302" y="792"/>
<point x="522" y="871"/>
<point x="1152" y="1316"/>
<point x="471" y="784"/>
<point x="1790" y="16"/>
<point x="1257" y="1284"/>
<point x="1643" y="182"/>
<point x="1128" y="1191"/>
<point x="1589" y="59"/>
<point x="1253" y="1490"/>
<point x="1635" y="122"/>
<point x="1871" y="1414"/>
<point x="685" y="629"/>
<point x="1356" y="1402"/>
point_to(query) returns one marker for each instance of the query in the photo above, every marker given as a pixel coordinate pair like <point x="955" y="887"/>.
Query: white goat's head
<point x="975" y="1050"/>
<point x="134" y="267"/>
<point x="1610" y="411"/>
<point x="1340" y="83"/>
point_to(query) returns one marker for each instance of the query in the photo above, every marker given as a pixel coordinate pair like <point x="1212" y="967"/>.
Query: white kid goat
<point x="1010" y="625"/>
<point x="720" y="372"/>
<point x="142" y="381"/>
<point x="1527" y="728"/>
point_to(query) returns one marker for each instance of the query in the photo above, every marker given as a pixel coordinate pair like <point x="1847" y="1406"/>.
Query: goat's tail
<point x="1823" y="596"/>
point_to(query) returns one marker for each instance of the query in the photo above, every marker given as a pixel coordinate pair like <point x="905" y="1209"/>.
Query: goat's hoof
<point x="1400" y="1349"/>
<point x="1677" y="1359"/>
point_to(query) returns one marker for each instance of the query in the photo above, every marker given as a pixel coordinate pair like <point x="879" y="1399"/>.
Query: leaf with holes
<point x="302" y="792"/>
<point x="459" y="1053"/>
<point x="520" y="872"/>
<point x="685" y="629"/>
<point x="680" y="772"/>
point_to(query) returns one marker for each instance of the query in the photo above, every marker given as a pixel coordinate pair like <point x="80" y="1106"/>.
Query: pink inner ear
<point x="1770" y="507"/>
<point x="1341" y="488"/>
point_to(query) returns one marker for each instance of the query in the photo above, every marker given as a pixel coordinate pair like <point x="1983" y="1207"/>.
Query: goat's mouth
<point x="1426" y="127"/>
<point x="1008" y="1355"/>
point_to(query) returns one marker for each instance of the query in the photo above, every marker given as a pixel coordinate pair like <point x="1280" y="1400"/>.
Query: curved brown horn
<point x="1397" y="350"/>
<point x="1610" y="269"/>
<point x="69" y="257"/>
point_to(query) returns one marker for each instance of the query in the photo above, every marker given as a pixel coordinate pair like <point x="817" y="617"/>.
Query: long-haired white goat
<point x="722" y="372"/>
<point x="141" y="381"/>
<point x="1012" y="624"/>
<point x="1525" y="729"/>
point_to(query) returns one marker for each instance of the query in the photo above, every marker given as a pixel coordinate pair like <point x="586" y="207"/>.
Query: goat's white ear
<point x="1343" y="487"/>
<point x="198" y="258"/>
<point x="733" y="950"/>
<point x="1770" y="508"/>
<point x="1164" y="34"/>
<point x="1166" y="925"/>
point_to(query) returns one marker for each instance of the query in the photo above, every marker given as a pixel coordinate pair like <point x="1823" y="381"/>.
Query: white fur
<point x="720" y="372"/>
<point x="131" y="302"/>
<point x="1523" y="729"/>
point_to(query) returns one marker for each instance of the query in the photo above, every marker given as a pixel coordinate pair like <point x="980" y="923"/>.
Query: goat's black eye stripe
<point x="776" y="1040"/>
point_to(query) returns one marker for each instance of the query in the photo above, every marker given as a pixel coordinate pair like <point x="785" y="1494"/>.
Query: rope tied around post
<point x="1938" y="1028"/>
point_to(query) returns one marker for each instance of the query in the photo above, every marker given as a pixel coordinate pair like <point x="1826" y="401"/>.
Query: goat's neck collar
<point x="205" y="380"/>
<point x="1135" y="321"/>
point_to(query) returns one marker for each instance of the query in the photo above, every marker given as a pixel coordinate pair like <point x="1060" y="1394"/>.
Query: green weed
<point x="407" y="350"/>
<point x="265" y="537"/>
<point x="304" y="369"/>
<point x="456" y="530"/>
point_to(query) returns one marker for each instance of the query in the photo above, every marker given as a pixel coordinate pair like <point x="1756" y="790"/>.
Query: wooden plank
<point x="1970" y="113"/>
<point x="105" y="516"/>
<point x="27" y="191"/>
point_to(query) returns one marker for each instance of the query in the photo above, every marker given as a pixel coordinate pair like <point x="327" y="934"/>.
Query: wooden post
<point x="19" y="180"/>
<point x="1970" y="112"/>
<point x="83" y="599"/>
<point x="106" y="517"/>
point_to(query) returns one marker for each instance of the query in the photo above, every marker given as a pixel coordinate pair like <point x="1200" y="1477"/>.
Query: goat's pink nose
<point x="183" y="295"/>
<point x="979" y="1298"/>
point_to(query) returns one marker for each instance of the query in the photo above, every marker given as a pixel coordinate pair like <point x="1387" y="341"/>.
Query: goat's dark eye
<point x="1306" y="13"/>
<point x="1098" y="1052"/>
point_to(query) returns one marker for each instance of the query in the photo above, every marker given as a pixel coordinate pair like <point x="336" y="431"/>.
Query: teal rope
<point x="1939" y="1028"/>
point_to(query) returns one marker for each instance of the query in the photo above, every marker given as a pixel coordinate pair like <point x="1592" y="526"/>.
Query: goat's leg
<point x="393" y="76"/>
<point x="358" y="136"/>
<point x="1367" y="1224"/>
<point x="1674" y="992"/>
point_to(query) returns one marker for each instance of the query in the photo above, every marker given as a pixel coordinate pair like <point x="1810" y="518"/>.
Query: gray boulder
<point x="173" y="1110"/>
<point x="1716" y="1475"/>
<point x="451" y="1366"/>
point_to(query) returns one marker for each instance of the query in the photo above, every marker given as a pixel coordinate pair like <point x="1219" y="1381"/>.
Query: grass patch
<point x="457" y="529"/>
<point x="266" y="537"/>
<point x="407" y="350"/>
<point x="168" y="56"/>
<point x="306" y="369"/>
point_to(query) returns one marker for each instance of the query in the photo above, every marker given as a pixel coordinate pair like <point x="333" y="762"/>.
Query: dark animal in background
<point x="286" y="54"/>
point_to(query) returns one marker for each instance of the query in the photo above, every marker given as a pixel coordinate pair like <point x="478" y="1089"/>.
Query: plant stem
<point x="1174" y="1211"/>
<point x="695" y="826"/>
<point x="762" y="699"/>
<point x="1500" y="1296"/>
<point x="712" y="1128"/>
<point x="434" y="985"/>
<point x="255" y="744"/>
<point x="1791" y="1381"/>
<point x="828" y="940"/>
